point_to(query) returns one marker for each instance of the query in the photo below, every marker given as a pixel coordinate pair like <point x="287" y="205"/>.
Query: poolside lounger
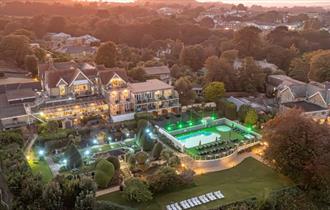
<point x="173" y="207"/>
<point x="217" y="195"/>
<point x="197" y="201"/>
<point x="206" y="198"/>
<point x="214" y="197"/>
<point x="191" y="203"/>
<point x="168" y="207"/>
<point x="201" y="199"/>
<point x="194" y="201"/>
<point x="187" y="204"/>
<point x="183" y="205"/>
<point x="177" y="206"/>
<point x="210" y="196"/>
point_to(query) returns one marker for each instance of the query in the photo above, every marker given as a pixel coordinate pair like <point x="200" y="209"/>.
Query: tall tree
<point x="184" y="87"/>
<point x="31" y="64"/>
<point x="214" y="90"/>
<point x="15" y="47"/>
<point x="193" y="56"/>
<point x="299" y="148"/>
<point x="320" y="66"/>
<point x="248" y="41"/>
<point x="299" y="69"/>
<point x="57" y="24"/>
<point x="107" y="54"/>
<point x="252" y="77"/>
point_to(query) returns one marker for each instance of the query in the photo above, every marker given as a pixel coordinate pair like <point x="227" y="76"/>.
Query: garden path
<point x="107" y="191"/>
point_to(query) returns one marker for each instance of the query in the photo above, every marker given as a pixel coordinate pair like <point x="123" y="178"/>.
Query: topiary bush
<point x="115" y="162"/>
<point x="155" y="154"/>
<point x="104" y="172"/>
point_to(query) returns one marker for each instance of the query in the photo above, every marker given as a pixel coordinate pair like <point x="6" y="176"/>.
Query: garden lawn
<point x="40" y="167"/>
<point x="251" y="178"/>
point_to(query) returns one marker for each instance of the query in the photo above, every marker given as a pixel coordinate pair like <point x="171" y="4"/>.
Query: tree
<point x="73" y="157"/>
<point x="85" y="201"/>
<point x="31" y="64"/>
<point x="165" y="179"/>
<point x="184" y="88"/>
<point x="252" y="78"/>
<point x="213" y="66"/>
<point x="248" y="41"/>
<point x="52" y="196"/>
<point x="143" y="136"/>
<point x="213" y="91"/>
<point x="137" y="190"/>
<point x="251" y="117"/>
<point x="158" y="147"/>
<point x="320" y="66"/>
<point x="299" y="69"/>
<point x="138" y="74"/>
<point x="193" y="56"/>
<point x="57" y="24"/>
<point x="174" y="161"/>
<point x="207" y="22"/>
<point x="230" y="111"/>
<point x="15" y="47"/>
<point x="298" y="147"/>
<point x="242" y="111"/>
<point x="107" y="55"/>
<point x="24" y="32"/>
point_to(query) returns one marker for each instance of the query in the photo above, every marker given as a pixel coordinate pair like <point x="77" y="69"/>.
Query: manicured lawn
<point x="250" y="178"/>
<point x="40" y="167"/>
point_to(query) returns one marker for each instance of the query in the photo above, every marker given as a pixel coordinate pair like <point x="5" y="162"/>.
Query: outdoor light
<point x="169" y="128"/>
<point x="65" y="161"/>
<point x="95" y="141"/>
<point x="148" y="130"/>
<point x="109" y="138"/>
<point x="191" y="123"/>
<point x="41" y="152"/>
<point x="127" y="134"/>
<point x="249" y="129"/>
<point x="180" y="125"/>
<point x="87" y="152"/>
<point x="28" y="157"/>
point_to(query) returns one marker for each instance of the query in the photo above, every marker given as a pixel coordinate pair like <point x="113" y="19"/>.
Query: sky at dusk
<point x="325" y="3"/>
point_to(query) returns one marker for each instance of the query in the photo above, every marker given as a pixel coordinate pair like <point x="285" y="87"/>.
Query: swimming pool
<point x="193" y="139"/>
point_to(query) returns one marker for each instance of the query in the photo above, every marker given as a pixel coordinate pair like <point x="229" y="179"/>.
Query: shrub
<point x="102" y="179"/>
<point x="141" y="157"/>
<point x="158" y="147"/>
<point x="73" y="157"/>
<point x="104" y="172"/>
<point x="137" y="190"/>
<point x="115" y="162"/>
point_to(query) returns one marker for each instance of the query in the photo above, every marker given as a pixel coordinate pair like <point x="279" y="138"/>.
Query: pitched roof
<point x="105" y="74"/>
<point x="52" y="78"/>
<point x="305" y="106"/>
<point x="149" y="85"/>
<point x="156" y="70"/>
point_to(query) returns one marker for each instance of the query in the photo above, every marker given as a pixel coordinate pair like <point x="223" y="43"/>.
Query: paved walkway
<point x="54" y="167"/>
<point x="206" y="166"/>
<point x="30" y="144"/>
<point x="107" y="191"/>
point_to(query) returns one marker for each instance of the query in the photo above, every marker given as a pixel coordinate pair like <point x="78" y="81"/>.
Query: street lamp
<point x="41" y="152"/>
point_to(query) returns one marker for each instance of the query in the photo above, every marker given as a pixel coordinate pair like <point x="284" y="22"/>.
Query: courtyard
<point x="249" y="179"/>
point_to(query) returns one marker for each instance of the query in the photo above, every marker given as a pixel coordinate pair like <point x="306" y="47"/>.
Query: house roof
<point x="77" y="49"/>
<point x="10" y="110"/>
<point x="156" y="70"/>
<point x="52" y="78"/>
<point x="149" y="85"/>
<point x="304" y="106"/>
<point x="19" y="94"/>
<point x="106" y="74"/>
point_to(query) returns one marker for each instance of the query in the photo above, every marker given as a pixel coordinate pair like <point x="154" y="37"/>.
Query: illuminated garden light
<point x="249" y="129"/>
<point x="95" y="141"/>
<point x="87" y="152"/>
<point x="169" y="128"/>
<point x="148" y="130"/>
<point x="41" y="152"/>
<point x="191" y="123"/>
<point x="180" y="125"/>
<point x="64" y="161"/>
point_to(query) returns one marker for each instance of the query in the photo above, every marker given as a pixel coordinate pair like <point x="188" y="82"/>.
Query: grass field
<point x="250" y="178"/>
<point x="40" y="167"/>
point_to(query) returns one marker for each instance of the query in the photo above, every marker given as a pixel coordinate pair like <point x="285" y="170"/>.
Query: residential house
<point x="162" y="73"/>
<point x="312" y="98"/>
